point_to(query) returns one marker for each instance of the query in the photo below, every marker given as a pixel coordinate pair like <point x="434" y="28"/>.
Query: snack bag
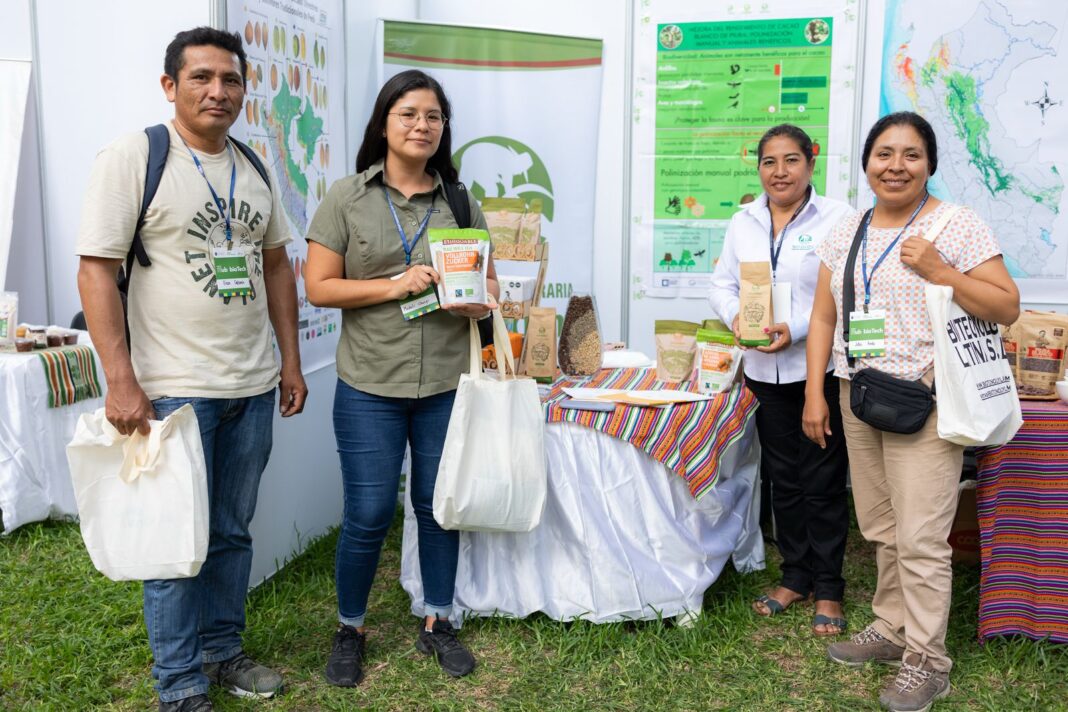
<point x="460" y="258"/>
<point x="539" y="345"/>
<point x="503" y="217"/>
<point x="676" y="349"/>
<point x="717" y="361"/>
<point x="1043" y="338"/>
<point x="754" y="303"/>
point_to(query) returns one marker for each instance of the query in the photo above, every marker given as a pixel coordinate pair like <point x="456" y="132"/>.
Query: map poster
<point x="992" y="78"/>
<point x="294" y="118"/>
<point x="709" y="81"/>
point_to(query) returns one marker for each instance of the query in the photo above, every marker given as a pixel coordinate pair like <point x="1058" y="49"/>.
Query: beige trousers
<point x="905" y="492"/>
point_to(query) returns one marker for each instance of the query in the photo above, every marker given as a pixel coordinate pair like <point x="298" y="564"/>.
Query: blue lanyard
<point x="775" y="252"/>
<point x="214" y="195"/>
<point x="864" y="249"/>
<point x="418" y="233"/>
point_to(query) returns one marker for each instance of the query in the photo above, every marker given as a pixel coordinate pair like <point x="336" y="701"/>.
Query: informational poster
<point x="992" y="78"/>
<point x="294" y="118"/>
<point x="706" y="90"/>
<point x="525" y="111"/>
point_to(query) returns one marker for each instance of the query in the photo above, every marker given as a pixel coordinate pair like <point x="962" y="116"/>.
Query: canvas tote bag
<point x="142" y="499"/>
<point x="976" y="391"/>
<point x="492" y="475"/>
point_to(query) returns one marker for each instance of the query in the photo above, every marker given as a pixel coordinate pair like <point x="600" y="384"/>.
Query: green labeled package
<point x="460" y="257"/>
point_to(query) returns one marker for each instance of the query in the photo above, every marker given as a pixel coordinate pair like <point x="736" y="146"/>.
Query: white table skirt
<point x="621" y="537"/>
<point x="34" y="476"/>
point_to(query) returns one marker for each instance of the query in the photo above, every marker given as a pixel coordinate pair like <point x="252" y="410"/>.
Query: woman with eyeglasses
<point x="367" y="252"/>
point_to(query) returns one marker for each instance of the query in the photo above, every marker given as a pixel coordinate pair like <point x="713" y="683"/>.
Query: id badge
<point x="420" y="304"/>
<point x="867" y="333"/>
<point x="231" y="272"/>
<point x="781" y="302"/>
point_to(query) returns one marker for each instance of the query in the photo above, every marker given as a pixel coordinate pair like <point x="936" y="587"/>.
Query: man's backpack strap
<point x="159" y="144"/>
<point x="456" y="196"/>
<point x="253" y="158"/>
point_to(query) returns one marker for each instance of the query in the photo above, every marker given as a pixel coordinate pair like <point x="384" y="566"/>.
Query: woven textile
<point x="1023" y="528"/>
<point x="71" y="375"/>
<point x="689" y="439"/>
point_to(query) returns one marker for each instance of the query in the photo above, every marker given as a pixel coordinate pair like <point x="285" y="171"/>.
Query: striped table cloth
<point x="1023" y="528"/>
<point x="689" y="439"/>
<point x="70" y="373"/>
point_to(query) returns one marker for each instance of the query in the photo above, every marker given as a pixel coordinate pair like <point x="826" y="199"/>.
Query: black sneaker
<point x="244" y="677"/>
<point x="345" y="666"/>
<point x="453" y="657"/>
<point x="196" y="703"/>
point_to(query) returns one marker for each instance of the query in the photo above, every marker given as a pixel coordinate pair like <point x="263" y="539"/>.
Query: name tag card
<point x="231" y="272"/>
<point x="867" y="333"/>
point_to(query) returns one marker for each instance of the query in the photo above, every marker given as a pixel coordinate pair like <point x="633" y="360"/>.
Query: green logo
<point x="499" y="167"/>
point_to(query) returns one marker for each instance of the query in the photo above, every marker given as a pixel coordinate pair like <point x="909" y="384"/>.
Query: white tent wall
<point x="98" y="67"/>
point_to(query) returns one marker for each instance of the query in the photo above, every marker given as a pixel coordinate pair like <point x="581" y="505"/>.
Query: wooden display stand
<point x="521" y="310"/>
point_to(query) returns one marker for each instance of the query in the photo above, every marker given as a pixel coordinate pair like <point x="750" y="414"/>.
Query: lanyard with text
<point x="214" y="195"/>
<point x="782" y="235"/>
<point x="418" y="233"/>
<point x="864" y="249"/>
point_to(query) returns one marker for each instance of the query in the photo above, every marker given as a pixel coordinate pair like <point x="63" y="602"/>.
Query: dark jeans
<point x="808" y="487"/>
<point x="196" y="620"/>
<point x="371" y="434"/>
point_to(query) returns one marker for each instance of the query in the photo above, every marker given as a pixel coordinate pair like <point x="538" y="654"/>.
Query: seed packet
<point x="539" y="345"/>
<point x="460" y="257"/>
<point x="676" y="349"/>
<point x="754" y="308"/>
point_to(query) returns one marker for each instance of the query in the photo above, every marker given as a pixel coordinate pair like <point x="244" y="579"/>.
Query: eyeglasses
<point x="435" y="120"/>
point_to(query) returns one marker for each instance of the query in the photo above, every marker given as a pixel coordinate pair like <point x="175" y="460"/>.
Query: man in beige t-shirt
<point x="200" y="319"/>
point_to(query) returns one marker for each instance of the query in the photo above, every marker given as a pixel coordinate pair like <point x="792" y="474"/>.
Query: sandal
<point x="819" y="619"/>
<point x="773" y="606"/>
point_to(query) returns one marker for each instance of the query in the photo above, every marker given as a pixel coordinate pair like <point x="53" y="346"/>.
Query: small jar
<point x="20" y="331"/>
<point x="39" y="336"/>
<point x="53" y="337"/>
<point x="70" y="337"/>
<point x="23" y="344"/>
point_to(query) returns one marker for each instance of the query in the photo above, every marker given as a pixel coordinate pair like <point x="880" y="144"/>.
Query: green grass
<point x="72" y="640"/>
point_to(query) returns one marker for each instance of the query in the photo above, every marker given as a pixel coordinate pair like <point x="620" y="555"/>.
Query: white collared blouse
<point x="747" y="240"/>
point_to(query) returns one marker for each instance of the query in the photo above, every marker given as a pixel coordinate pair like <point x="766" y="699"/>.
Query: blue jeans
<point x="197" y="620"/>
<point x="371" y="433"/>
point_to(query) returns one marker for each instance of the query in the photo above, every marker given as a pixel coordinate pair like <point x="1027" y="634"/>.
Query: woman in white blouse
<point x="782" y="227"/>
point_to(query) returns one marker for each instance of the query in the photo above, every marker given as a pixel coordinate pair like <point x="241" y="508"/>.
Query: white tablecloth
<point x="621" y="537"/>
<point x="34" y="477"/>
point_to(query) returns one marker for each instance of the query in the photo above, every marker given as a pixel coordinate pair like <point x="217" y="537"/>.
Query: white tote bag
<point x="142" y="499"/>
<point x="974" y="384"/>
<point x="492" y="475"/>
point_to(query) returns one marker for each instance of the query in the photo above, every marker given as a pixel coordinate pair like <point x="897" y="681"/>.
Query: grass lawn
<point x="72" y="640"/>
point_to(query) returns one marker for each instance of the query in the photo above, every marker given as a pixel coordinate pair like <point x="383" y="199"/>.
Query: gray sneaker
<point x="196" y="703"/>
<point x="915" y="688"/>
<point x="867" y="646"/>
<point x="244" y="677"/>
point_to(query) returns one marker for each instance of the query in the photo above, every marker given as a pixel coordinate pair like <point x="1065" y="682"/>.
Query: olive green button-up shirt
<point x="379" y="352"/>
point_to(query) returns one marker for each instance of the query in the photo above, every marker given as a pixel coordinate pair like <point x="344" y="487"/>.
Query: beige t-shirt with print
<point x="965" y="243"/>
<point x="186" y="339"/>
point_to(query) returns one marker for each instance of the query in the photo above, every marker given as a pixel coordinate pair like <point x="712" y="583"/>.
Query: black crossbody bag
<point x="885" y="403"/>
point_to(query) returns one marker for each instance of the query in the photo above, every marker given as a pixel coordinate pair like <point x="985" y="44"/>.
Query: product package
<point x="718" y="358"/>
<point x="529" y="232"/>
<point x="676" y="349"/>
<point x="1043" y="338"/>
<point x="9" y="318"/>
<point x="460" y="258"/>
<point x="514" y="292"/>
<point x="754" y="303"/>
<point x="539" y="345"/>
<point x="1010" y="341"/>
<point x="580" y="339"/>
<point x="503" y="217"/>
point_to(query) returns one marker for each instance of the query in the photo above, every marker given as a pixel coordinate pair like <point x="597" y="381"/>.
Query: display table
<point x="34" y="477"/>
<point x="1023" y="528"/>
<point x="622" y="536"/>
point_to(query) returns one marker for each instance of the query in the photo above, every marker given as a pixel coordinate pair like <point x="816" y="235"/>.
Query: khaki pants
<point x="905" y="492"/>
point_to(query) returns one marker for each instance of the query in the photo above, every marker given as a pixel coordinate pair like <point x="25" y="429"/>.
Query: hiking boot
<point x="915" y="688"/>
<point x="441" y="642"/>
<point x="196" y="703"/>
<point x="867" y="646"/>
<point x="244" y="677"/>
<point x="345" y="666"/>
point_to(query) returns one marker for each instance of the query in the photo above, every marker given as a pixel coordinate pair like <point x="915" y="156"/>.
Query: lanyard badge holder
<point x="231" y="266"/>
<point x="781" y="294"/>
<point x="867" y="328"/>
<point x="414" y="305"/>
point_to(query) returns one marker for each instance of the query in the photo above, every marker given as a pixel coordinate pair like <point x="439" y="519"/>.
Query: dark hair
<point x="789" y="131"/>
<point x="373" y="147"/>
<point x="174" y="59"/>
<point x="903" y="118"/>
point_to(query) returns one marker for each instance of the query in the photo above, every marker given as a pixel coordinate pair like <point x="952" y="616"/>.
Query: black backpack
<point x="456" y="196"/>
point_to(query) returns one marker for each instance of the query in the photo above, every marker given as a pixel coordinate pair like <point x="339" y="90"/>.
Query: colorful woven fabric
<point x="1023" y="528"/>
<point x="71" y="375"/>
<point x="689" y="438"/>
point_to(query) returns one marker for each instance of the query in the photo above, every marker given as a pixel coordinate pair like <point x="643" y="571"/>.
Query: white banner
<point x="524" y="123"/>
<point x="14" y="86"/>
<point x="295" y="119"/>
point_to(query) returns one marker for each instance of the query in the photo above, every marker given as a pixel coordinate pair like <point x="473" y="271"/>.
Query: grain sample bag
<point x="676" y="349"/>
<point x="1043" y="337"/>
<point x="754" y="303"/>
<point x="460" y="258"/>
<point x="539" y="345"/>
